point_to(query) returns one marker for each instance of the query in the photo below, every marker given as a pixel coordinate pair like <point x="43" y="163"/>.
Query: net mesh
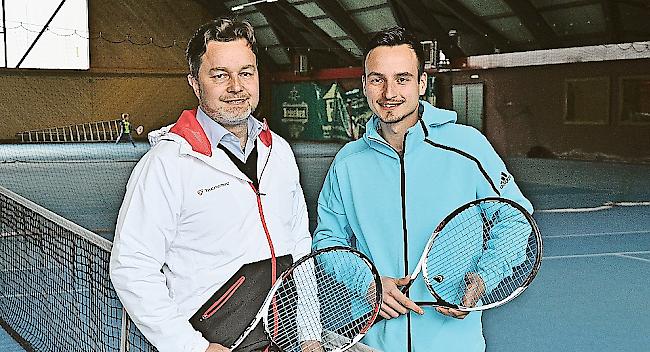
<point x="483" y="255"/>
<point x="55" y="291"/>
<point x="327" y="301"/>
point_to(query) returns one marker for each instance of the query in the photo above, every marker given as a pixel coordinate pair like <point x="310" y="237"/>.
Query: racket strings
<point x="482" y="255"/>
<point x="325" y="302"/>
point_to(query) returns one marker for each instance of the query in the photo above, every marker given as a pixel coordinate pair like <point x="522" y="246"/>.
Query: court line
<point x="637" y="258"/>
<point x="594" y="234"/>
<point x="594" y="255"/>
<point x="604" y="206"/>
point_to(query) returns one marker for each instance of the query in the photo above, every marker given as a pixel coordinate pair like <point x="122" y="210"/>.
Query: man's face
<point x="228" y="83"/>
<point x="391" y="83"/>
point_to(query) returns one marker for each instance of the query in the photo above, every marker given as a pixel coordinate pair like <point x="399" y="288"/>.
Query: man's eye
<point x="376" y="80"/>
<point x="220" y="76"/>
<point x="402" y="80"/>
<point x="246" y="74"/>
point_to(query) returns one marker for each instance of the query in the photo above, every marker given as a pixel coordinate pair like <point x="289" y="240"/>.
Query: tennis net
<point x="55" y="290"/>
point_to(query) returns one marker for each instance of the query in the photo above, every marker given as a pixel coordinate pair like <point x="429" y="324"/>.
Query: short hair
<point x="125" y="115"/>
<point x="393" y="37"/>
<point x="224" y="29"/>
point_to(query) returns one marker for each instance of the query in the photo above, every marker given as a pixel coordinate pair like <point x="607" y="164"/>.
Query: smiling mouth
<point x="390" y="105"/>
<point x="236" y="101"/>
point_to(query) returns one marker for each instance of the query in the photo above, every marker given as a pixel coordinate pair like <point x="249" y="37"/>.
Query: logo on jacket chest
<point x="201" y="191"/>
<point x="505" y="178"/>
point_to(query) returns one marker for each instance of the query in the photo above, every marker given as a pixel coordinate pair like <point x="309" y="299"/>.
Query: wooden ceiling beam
<point x="433" y="28"/>
<point x="612" y="17"/>
<point x="342" y="18"/>
<point x="477" y="24"/>
<point x="535" y="23"/>
<point x="345" y="57"/>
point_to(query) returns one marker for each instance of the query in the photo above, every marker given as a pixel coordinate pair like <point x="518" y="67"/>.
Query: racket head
<point x="328" y="299"/>
<point x="482" y="255"/>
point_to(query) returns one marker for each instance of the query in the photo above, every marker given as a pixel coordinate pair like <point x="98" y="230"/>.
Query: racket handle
<point x="339" y="340"/>
<point x="406" y="287"/>
<point x="359" y="347"/>
<point x="404" y="290"/>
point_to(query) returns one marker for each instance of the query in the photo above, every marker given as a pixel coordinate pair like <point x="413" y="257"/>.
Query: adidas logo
<point x="505" y="178"/>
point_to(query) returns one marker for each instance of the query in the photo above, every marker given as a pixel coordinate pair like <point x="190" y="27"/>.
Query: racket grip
<point x="359" y="347"/>
<point x="339" y="340"/>
<point x="406" y="287"/>
<point x="404" y="290"/>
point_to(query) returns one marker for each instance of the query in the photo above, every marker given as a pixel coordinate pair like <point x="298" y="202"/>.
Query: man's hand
<point x="394" y="301"/>
<point x="215" y="347"/>
<point x="475" y="287"/>
<point x="311" y="346"/>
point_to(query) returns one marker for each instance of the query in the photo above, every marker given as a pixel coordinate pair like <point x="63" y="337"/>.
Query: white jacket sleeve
<point x="300" y="225"/>
<point x="145" y="228"/>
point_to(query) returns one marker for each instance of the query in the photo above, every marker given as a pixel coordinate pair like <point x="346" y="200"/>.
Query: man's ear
<point x="423" y="83"/>
<point x="363" y="84"/>
<point x="194" y="83"/>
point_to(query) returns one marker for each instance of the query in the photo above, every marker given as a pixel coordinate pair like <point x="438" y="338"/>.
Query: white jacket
<point x="189" y="212"/>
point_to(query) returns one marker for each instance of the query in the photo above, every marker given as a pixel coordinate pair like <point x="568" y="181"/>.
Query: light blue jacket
<point x="387" y="206"/>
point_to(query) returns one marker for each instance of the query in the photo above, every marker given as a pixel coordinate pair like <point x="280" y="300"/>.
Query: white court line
<point x="605" y="206"/>
<point x="575" y="210"/>
<point x="637" y="258"/>
<point x="594" y="255"/>
<point x="599" y="234"/>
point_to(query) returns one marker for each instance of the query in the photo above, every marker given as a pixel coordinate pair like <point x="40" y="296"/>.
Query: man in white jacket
<point x="217" y="192"/>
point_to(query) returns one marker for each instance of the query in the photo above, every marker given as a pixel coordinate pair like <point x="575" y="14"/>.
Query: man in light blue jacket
<point x="385" y="193"/>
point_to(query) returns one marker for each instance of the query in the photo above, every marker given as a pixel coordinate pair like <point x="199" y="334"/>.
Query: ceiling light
<point x="241" y="7"/>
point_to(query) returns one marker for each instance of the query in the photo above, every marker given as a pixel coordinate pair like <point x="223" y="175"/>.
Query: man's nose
<point x="235" y="85"/>
<point x="390" y="90"/>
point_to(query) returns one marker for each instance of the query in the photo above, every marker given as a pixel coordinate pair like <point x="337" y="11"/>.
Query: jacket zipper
<point x="405" y="233"/>
<point x="260" y="209"/>
<point x="266" y="231"/>
<point x="223" y="299"/>
<point x="404" y="229"/>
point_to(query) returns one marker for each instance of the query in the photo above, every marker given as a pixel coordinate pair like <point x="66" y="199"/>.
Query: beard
<point x="390" y="117"/>
<point x="224" y="114"/>
<point x="229" y="116"/>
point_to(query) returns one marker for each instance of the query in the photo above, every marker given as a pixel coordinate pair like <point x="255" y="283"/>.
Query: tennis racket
<point x="326" y="301"/>
<point x="482" y="255"/>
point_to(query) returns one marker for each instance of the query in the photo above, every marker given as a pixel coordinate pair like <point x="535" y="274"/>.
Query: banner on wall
<point x="314" y="112"/>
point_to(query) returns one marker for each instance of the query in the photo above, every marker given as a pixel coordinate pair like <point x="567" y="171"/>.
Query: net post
<point x="124" y="332"/>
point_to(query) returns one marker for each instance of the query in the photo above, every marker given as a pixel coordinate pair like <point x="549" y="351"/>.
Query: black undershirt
<point x="249" y="168"/>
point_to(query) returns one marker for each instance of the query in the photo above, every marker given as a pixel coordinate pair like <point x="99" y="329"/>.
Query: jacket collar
<point x="187" y="131"/>
<point x="189" y="128"/>
<point x="430" y="117"/>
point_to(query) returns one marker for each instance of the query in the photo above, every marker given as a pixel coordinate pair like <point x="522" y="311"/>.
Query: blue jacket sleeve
<point x="500" y="181"/>
<point x="493" y="265"/>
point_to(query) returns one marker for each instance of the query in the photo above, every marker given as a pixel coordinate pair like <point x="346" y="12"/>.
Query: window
<point x="635" y="100"/>
<point x="49" y="34"/>
<point x="468" y="104"/>
<point x="587" y="101"/>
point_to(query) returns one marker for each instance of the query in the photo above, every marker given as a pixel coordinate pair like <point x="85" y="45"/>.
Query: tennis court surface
<point x="56" y="296"/>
